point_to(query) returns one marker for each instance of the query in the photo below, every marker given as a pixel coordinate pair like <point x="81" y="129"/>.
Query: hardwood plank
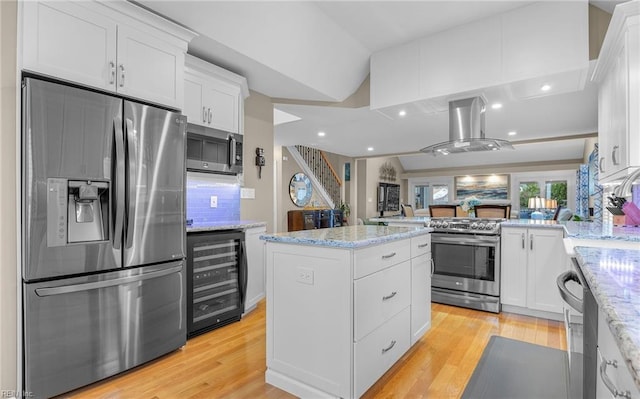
<point x="230" y="362"/>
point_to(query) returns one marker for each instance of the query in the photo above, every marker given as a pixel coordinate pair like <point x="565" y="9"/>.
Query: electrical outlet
<point x="214" y="201"/>
<point x="305" y="276"/>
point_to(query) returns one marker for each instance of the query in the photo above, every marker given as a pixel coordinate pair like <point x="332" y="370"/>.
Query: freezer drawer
<point x="80" y="330"/>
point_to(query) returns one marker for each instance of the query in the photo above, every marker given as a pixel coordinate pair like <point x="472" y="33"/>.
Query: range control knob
<point x="474" y="225"/>
<point x="481" y="226"/>
<point x="445" y="224"/>
<point x="491" y="226"/>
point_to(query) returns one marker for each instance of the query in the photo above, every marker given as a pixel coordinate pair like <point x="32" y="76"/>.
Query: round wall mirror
<point x="300" y="189"/>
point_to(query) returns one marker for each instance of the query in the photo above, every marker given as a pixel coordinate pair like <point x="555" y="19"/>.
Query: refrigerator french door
<point x="216" y="279"/>
<point x="103" y="235"/>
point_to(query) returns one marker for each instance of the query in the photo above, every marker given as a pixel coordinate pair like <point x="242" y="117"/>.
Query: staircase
<point x="320" y="171"/>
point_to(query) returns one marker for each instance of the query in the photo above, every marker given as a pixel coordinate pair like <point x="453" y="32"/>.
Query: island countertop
<point x="613" y="275"/>
<point x="347" y="236"/>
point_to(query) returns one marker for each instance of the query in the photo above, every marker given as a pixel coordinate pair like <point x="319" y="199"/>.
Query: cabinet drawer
<point x="420" y="245"/>
<point x="380" y="296"/>
<point x="375" y="354"/>
<point x="369" y="260"/>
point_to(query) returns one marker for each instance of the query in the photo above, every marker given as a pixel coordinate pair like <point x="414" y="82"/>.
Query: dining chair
<point x="407" y="210"/>
<point x="442" y="211"/>
<point x="492" y="211"/>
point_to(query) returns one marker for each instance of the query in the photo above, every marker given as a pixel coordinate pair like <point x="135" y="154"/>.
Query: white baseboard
<point x="531" y="312"/>
<point x="294" y="387"/>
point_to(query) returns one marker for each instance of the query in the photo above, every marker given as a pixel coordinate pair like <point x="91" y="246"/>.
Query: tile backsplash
<point x="200" y="189"/>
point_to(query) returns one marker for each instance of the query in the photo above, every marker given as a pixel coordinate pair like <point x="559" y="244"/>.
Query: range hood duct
<point x="466" y="130"/>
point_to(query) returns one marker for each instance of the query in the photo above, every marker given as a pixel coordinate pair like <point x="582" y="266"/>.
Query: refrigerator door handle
<point x="131" y="197"/>
<point x="118" y="177"/>
<point x="67" y="289"/>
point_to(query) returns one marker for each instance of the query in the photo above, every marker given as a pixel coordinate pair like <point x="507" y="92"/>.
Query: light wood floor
<point x="230" y="362"/>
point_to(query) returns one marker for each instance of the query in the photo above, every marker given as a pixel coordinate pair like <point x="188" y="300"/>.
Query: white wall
<point x="8" y="197"/>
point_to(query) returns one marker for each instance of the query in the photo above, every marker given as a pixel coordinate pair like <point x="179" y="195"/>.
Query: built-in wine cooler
<point x="217" y="279"/>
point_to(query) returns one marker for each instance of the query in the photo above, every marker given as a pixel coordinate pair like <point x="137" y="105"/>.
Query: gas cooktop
<point x="487" y="226"/>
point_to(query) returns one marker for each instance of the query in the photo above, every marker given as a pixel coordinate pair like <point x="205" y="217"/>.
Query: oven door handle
<point x="566" y="295"/>
<point x="458" y="241"/>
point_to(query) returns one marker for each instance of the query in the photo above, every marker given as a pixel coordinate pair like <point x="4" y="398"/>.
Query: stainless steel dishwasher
<point x="582" y="332"/>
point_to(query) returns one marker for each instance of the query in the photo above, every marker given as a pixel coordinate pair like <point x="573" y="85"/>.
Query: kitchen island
<point x="343" y="305"/>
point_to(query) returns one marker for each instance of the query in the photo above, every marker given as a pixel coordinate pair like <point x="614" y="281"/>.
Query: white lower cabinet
<point x="532" y="259"/>
<point x="255" y="267"/>
<point x="421" y="270"/>
<point x="339" y="318"/>
<point x="613" y="373"/>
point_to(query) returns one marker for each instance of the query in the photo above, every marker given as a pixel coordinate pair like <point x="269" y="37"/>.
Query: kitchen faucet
<point x="624" y="189"/>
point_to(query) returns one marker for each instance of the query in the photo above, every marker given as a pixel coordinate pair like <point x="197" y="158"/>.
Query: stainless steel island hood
<point x="466" y="130"/>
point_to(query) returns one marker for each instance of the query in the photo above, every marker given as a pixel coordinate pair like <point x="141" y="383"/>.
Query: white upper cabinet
<point x="113" y="46"/>
<point x="70" y="42"/>
<point x="618" y="75"/>
<point x="214" y="97"/>
<point x="522" y="45"/>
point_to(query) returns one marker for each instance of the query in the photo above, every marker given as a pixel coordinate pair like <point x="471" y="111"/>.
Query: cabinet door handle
<point x="121" y="75"/>
<point x="600" y="165"/>
<point x="393" y="343"/>
<point x="210" y="115"/>
<point x="608" y="383"/>
<point x="112" y="69"/>
<point x="531" y="242"/>
<point x="522" y="240"/>
<point x="391" y="255"/>
<point x="387" y="297"/>
<point x="423" y="245"/>
<point x="204" y="114"/>
<point x="614" y="159"/>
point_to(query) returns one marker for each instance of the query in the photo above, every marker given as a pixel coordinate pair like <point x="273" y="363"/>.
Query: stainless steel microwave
<point x="213" y="151"/>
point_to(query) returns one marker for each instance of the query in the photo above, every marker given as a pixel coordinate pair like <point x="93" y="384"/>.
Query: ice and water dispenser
<point x="77" y="211"/>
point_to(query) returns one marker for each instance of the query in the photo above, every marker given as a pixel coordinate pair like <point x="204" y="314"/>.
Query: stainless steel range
<point x="466" y="257"/>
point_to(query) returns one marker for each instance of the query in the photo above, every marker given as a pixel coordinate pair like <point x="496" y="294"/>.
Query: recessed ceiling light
<point x="370" y="149"/>
<point x="496" y="105"/>
<point x="545" y="87"/>
<point x="321" y="134"/>
<point x="512" y="133"/>
<point x="402" y="112"/>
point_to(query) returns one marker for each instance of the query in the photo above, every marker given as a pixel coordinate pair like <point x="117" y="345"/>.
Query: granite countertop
<point x="582" y="230"/>
<point x="347" y="236"/>
<point x="613" y="275"/>
<point x="545" y="224"/>
<point x="224" y="225"/>
<point x="401" y="219"/>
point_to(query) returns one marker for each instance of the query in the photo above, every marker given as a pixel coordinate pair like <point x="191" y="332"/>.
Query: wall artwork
<point x="483" y="187"/>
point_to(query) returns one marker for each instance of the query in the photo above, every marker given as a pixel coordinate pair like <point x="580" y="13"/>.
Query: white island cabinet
<point x="343" y="305"/>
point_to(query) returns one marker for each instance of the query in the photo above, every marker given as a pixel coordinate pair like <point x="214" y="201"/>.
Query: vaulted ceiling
<point x="305" y="51"/>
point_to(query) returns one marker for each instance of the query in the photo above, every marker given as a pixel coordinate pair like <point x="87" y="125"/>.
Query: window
<point x="557" y="190"/>
<point x="430" y="194"/>
<point x="527" y="190"/>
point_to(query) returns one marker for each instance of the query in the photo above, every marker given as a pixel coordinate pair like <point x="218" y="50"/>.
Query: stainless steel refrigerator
<point x="102" y="235"/>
